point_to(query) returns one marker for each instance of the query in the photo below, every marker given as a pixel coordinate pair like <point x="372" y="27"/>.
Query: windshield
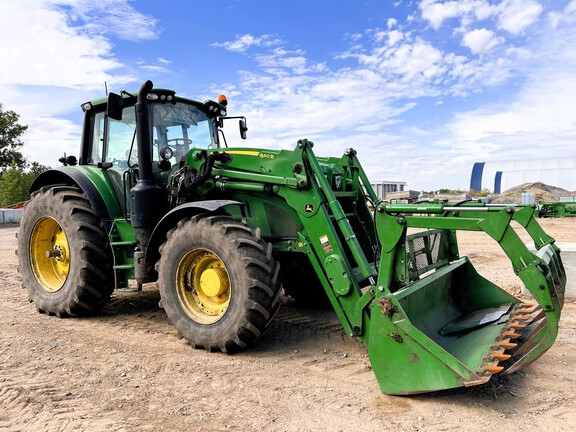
<point x="179" y="126"/>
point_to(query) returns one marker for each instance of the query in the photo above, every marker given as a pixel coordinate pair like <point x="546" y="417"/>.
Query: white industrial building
<point x="381" y="187"/>
<point x="498" y="176"/>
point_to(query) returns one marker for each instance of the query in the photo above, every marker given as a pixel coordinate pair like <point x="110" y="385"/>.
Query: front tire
<point x="65" y="260"/>
<point x="218" y="282"/>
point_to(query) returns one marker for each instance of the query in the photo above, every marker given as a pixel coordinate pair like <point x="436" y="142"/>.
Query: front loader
<point x="157" y="196"/>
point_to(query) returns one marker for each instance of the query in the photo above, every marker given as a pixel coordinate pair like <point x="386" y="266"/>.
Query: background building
<point x="381" y="187"/>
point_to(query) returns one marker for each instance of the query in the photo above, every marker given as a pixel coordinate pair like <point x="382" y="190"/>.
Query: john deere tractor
<point x="157" y="196"/>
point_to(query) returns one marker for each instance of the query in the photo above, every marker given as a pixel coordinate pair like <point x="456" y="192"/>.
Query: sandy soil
<point x="125" y="370"/>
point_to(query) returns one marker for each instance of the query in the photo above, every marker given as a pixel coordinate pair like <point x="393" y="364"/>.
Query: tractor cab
<point x="110" y="139"/>
<point x="177" y="124"/>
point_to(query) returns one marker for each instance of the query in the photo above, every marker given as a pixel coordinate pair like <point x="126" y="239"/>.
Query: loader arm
<point x="429" y="320"/>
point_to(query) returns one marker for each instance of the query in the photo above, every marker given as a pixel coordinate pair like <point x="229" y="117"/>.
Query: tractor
<point x="157" y="195"/>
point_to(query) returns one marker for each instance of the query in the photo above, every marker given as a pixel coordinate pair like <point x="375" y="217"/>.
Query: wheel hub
<point x="203" y="286"/>
<point x="214" y="281"/>
<point x="49" y="254"/>
<point x="58" y="253"/>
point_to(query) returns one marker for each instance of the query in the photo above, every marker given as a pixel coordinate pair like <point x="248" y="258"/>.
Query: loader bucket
<point x="452" y="327"/>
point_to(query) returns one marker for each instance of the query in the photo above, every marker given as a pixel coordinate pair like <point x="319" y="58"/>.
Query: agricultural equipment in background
<point x="555" y="209"/>
<point x="157" y="196"/>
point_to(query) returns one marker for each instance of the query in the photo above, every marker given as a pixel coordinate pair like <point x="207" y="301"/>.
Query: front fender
<point x="171" y="219"/>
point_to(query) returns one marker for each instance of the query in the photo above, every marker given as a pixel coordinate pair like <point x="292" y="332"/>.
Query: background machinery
<point x="156" y="195"/>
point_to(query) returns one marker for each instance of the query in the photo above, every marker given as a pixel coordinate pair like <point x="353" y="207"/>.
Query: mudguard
<point x="171" y="218"/>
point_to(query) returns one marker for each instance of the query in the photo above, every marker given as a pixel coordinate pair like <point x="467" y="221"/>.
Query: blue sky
<point x="421" y="89"/>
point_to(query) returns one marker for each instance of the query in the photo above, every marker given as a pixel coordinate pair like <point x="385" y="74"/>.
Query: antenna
<point x="106" y="88"/>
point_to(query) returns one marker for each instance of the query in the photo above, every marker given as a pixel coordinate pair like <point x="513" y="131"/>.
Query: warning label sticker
<point x="326" y="244"/>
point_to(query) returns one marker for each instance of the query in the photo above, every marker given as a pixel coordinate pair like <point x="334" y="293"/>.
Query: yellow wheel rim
<point x="203" y="286"/>
<point x="49" y="254"/>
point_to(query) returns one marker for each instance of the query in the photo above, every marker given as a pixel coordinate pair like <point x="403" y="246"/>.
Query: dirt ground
<point x="125" y="370"/>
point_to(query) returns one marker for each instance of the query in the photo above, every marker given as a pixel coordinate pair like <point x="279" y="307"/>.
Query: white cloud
<point x="327" y="106"/>
<point x="539" y="122"/>
<point x="516" y="15"/>
<point x="243" y="42"/>
<point x="281" y="61"/>
<point x="513" y="16"/>
<point x="437" y="13"/>
<point x="112" y="17"/>
<point x="542" y="110"/>
<point x="48" y="138"/>
<point x="481" y="41"/>
<point x="566" y="15"/>
<point x="40" y="48"/>
<point x="415" y="61"/>
<point x="467" y="10"/>
<point x="48" y="45"/>
<point x="154" y="68"/>
<point x="394" y="37"/>
<point x="65" y="43"/>
<point x="389" y="72"/>
<point x="415" y="67"/>
<point x="55" y="53"/>
<point x="482" y="9"/>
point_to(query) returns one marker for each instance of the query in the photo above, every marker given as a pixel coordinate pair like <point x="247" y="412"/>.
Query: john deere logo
<point x="308" y="208"/>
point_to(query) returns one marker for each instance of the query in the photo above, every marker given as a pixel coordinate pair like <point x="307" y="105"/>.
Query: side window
<point x="95" y="154"/>
<point x="121" y="135"/>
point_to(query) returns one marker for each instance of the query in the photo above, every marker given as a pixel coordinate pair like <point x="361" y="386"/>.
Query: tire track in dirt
<point x="30" y="400"/>
<point x="293" y="324"/>
<point x="34" y="394"/>
<point x="335" y="354"/>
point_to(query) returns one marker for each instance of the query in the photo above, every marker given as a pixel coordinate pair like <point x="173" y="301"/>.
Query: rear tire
<point x="65" y="260"/>
<point x="218" y="282"/>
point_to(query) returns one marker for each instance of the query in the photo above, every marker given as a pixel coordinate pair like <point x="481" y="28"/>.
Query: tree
<point x="16" y="181"/>
<point x="10" y="143"/>
<point x="16" y="173"/>
<point x="11" y="186"/>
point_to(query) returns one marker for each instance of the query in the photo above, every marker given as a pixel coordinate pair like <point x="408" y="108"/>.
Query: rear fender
<point x="91" y="181"/>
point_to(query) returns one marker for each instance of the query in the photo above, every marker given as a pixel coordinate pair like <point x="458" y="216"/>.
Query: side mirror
<point x="68" y="160"/>
<point x="243" y="128"/>
<point x="114" y="107"/>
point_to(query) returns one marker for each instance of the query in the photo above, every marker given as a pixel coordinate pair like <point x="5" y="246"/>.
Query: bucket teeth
<point x="528" y="305"/>
<point x="511" y="334"/>
<point x="520" y="318"/>
<point x="524" y="311"/>
<point x="506" y="345"/>
<point x="517" y="326"/>
<point x="493" y="369"/>
<point x="500" y="356"/>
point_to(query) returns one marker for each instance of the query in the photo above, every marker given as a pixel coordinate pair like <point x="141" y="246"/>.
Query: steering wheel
<point x="178" y="142"/>
<point x="179" y="146"/>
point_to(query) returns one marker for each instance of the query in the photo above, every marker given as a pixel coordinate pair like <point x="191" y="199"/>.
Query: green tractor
<point x="157" y="196"/>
